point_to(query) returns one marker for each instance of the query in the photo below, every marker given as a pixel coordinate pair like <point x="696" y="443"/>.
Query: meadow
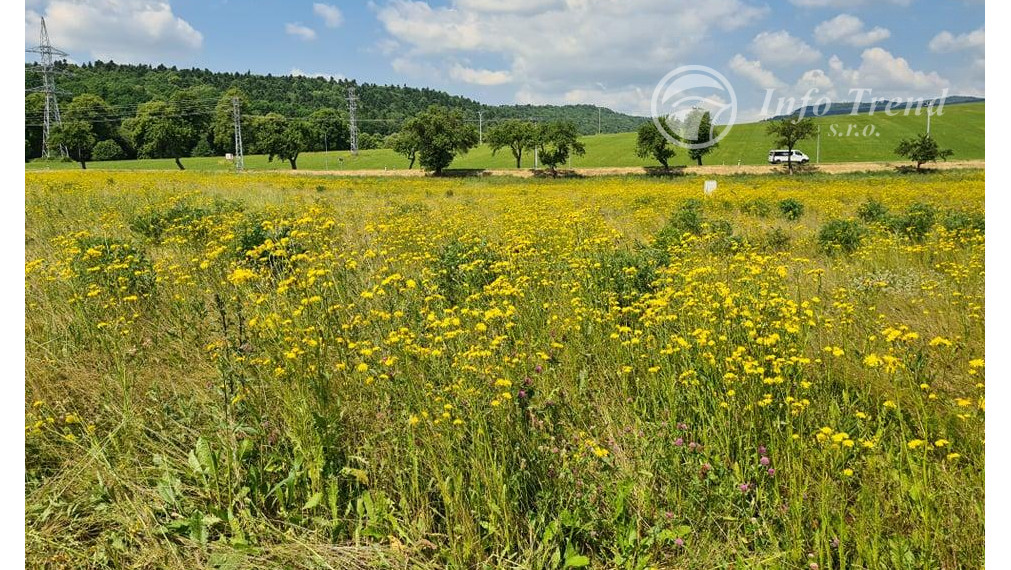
<point x="266" y="371"/>
<point x="860" y="138"/>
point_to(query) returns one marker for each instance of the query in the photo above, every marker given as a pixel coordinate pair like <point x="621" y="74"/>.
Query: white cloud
<point x="782" y="49"/>
<point x="297" y="72"/>
<point x="849" y="30"/>
<point x="841" y="3"/>
<point x="300" y="31"/>
<point x="947" y="42"/>
<point x="631" y="99"/>
<point x="513" y="6"/>
<point x="753" y="71"/>
<point x="557" y="47"/>
<point x="479" y="76"/>
<point x="332" y="17"/>
<point x="886" y="76"/>
<point x="128" y="31"/>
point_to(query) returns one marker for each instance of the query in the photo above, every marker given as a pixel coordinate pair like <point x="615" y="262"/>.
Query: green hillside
<point x="381" y="108"/>
<point x="960" y="128"/>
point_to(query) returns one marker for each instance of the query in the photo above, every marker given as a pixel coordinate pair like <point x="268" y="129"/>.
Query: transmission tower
<point x="352" y="115"/>
<point x="240" y="162"/>
<point x="47" y="53"/>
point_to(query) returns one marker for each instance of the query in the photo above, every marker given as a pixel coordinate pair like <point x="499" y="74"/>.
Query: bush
<point x="117" y="265"/>
<point x="777" y="240"/>
<point x="791" y="208"/>
<point x="841" y="236"/>
<point x="154" y="223"/>
<point x="758" y="207"/>
<point x="464" y="268"/>
<point x="203" y="148"/>
<point x="686" y="220"/>
<point x="916" y="222"/>
<point x="107" y="150"/>
<point x="872" y="211"/>
<point x="961" y="221"/>
<point x="628" y="274"/>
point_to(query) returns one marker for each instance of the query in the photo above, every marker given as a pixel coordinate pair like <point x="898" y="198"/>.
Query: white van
<point x="783" y="156"/>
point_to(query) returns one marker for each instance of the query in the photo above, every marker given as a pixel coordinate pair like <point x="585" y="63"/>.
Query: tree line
<point x="382" y="108"/>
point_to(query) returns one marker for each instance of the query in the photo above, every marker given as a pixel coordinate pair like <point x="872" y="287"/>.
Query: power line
<point x="353" y="119"/>
<point x="46" y="53"/>
<point x="240" y="162"/>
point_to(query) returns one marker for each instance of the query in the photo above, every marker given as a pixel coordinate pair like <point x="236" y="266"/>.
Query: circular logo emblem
<point x="689" y="102"/>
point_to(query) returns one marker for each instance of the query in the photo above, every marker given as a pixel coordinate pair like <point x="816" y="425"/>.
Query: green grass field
<point x="960" y="128"/>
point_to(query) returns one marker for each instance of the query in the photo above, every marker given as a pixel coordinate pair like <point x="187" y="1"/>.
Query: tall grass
<point x="264" y="372"/>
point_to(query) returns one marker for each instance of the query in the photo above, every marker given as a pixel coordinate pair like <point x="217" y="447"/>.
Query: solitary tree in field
<point x="406" y="143"/>
<point x="650" y="143"/>
<point x="92" y="109"/>
<point x="75" y="136"/>
<point x="556" y="142"/>
<point x="515" y="134"/>
<point x="788" y="132"/>
<point x="440" y="134"/>
<point x="329" y="130"/>
<point x="701" y="122"/>
<point x="922" y="149"/>
<point x="158" y="131"/>
<point x="283" y="138"/>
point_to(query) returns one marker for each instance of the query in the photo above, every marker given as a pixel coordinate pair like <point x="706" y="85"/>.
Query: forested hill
<point x="382" y="108"/>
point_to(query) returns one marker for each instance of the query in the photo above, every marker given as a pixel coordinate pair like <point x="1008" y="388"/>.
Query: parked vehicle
<point x="783" y="156"/>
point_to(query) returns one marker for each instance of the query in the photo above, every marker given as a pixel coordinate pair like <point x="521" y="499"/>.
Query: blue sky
<point x="605" y="52"/>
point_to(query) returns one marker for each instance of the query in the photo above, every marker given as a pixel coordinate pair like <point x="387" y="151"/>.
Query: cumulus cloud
<point x="128" y="31"/>
<point x="297" y="72"/>
<point x="842" y="3"/>
<point x="945" y="41"/>
<point x="479" y="76"/>
<point x="782" y="49"/>
<point x="554" y="48"/>
<point x="880" y="72"/>
<point x="331" y="15"/>
<point x="300" y="31"/>
<point x="753" y="71"/>
<point x="849" y="30"/>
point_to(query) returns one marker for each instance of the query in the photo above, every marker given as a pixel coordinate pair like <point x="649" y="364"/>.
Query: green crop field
<point x="844" y="138"/>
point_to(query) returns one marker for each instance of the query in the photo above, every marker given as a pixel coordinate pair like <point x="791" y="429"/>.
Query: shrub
<point x="961" y="221"/>
<point x="776" y="239"/>
<point x="203" y="148"/>
<point x="916" y="222"/>
<point x="464" y="268"/>
<point x="154" y="223"/>
<point x="107" y="150"/>
<point x="872" y="211"/>
<point x="628" y="274"/>
<point x="791" y="208"/>
<point x="114" y="264"/>
<point x="758" y="207"/>
<point x="841" y="236"/>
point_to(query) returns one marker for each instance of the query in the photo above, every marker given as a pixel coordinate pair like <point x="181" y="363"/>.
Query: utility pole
<point x="817" y="152"/>
<point x="598" y="119"/>
<point x="480" y="127"/>
<point x="930" y="107"/>
<point x="240" y="162"/>
<point x="353" y="119"/>
<point x="47" y="68"/>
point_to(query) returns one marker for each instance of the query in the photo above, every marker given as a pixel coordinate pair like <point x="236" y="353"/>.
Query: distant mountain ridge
<point x="381" y="108"/>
